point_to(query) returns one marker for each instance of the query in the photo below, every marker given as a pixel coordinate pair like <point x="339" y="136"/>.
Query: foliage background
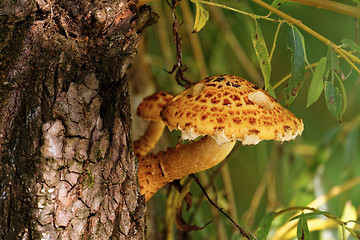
<point x="269" y="176"/>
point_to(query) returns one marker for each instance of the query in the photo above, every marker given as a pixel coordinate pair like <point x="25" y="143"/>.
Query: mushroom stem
<point x="159" y="169"/>
<point x="147" y="142"/>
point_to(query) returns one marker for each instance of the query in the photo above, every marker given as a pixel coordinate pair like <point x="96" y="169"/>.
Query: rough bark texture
<point x="66" y="167"/>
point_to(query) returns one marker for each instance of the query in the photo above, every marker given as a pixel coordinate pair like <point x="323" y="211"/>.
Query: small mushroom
<point x="149" y="109"/>
<point x="225" y="109"/>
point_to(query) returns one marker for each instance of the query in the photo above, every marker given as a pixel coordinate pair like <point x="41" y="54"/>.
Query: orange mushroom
<point x="149" y="109"/>
<point x="225" y="109"/>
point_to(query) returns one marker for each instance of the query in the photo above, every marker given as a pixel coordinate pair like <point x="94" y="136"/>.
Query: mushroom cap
<point x="151" y="106"/>
<point x="230" y="108"/>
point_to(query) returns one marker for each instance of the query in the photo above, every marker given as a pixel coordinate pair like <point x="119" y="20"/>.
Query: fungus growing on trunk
<point x="225" y="109"/>
<point x="149" y="109"/>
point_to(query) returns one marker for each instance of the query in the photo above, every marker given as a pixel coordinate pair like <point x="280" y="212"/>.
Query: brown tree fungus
<point x="150" y="109"/>
<point x="226" y="109"/>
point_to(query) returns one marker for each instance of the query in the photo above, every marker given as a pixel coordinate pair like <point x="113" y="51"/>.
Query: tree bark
<point x="67" y="170"/>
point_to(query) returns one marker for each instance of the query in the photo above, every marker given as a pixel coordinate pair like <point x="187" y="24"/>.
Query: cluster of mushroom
<point x="149" y="109"/>
<point x="224" y="109"/>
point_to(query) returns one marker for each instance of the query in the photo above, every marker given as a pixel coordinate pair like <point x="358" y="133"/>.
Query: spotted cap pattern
<point x="230" y="108"/>
<point x="151" y="106"/>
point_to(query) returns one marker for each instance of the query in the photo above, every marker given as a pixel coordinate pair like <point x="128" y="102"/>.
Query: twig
<point x="229" y="191"/>
<point x="194" y="40"/>
<point x="212" y="179"/>
<point x="332" y="6"/>
<point x="252" y="15"/>
<point x="274" y="42"/>
<point x="335" y="191"/>
<point x="179" y="67"/>
<point x="244" y="232"/>
<point x="289" y="75"/>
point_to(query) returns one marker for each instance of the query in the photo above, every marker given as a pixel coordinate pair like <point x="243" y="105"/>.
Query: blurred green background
<point x="269" y="176"/>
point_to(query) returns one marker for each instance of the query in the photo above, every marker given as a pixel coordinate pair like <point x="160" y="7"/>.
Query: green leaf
<point x="303" y="229"/>
<point x="333" y="99"/>
<point x="261" y="53"/>
<point x="332" y="63"/>
<point x="309" y="215"/>
<point x="316" y="85"/>
<point x="295" y="42"/>
<point x="343" y="93"/>
<point x="264" y="227"/>
<point x="201" y="17"/>
<point x="350" y="44"/>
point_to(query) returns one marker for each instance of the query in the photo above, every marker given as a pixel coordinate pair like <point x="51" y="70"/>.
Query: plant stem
<point x="332" y="6"/>
<point x="274" y="43"/>
<point x="229" y="191"/>
<point x="194" y="39"/>
<point x="341" y="223"/>
<point x="335" y="191"/>
<point x="236" y="10"/>
<point x="289" y="75"/>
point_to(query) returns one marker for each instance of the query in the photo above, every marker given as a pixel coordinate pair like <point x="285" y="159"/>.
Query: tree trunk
<point x="66" y="166"/>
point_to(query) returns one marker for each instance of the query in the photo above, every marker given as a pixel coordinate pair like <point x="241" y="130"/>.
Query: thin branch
<point x="335" y="191"/>
<point x="275" y="38"/>
<point x="237" y="10"/>
<point x="332" y="6"/>
<point x="328" y="215"/>
<point x="244" y="232"/>
<point x="289" y="75"/>
<point x="194" y="40"/>
<point x="179" y="67"/>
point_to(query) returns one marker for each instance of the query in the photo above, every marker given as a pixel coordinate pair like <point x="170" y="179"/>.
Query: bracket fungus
<point x="149" y="109"/>
<point x="224" y="109"/>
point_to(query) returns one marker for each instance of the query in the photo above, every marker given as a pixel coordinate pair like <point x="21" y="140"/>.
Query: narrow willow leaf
<point x="309" y="215"/>
<point x="333" y="99"/>
<point x="350" y="44"/>
<point x="303" y="229"/>
<point x="343" y="93"/>
<point x="201" y="17"/>
<point x="261" y="53"/>
<point x="316" y="85"/>
<point x="332" y="64"/>
<point x="333" y="96"/>
<point x="264" y="227"/>
<point x="295" y="42"/>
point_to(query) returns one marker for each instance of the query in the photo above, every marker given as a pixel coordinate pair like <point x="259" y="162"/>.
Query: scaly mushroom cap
<point x="151" y="106"/>
<point x="230" y="108"/>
